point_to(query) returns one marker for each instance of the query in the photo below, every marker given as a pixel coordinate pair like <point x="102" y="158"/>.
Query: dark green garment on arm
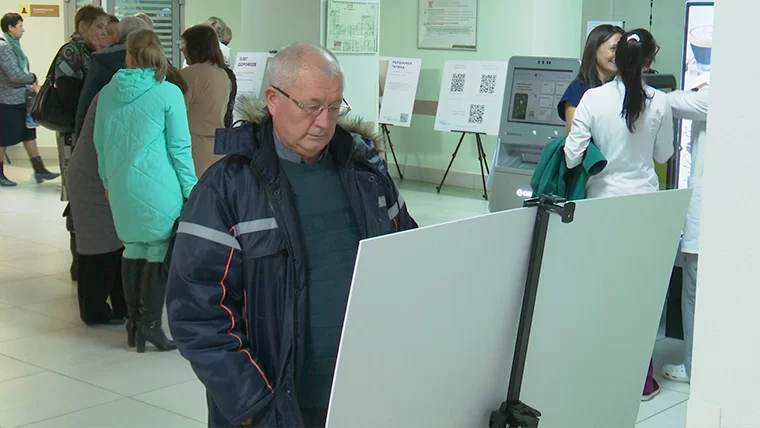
<point x="552" y="177"/>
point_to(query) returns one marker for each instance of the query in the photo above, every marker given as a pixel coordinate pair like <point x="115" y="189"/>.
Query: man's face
<point x="297" y="121"/>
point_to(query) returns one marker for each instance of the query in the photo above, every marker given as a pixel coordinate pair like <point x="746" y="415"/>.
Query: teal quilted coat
<point x="142" y="139"/>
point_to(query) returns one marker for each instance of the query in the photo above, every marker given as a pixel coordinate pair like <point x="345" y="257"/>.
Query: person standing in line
<point x="15" y="81"/>
<point x="224" y="34"/>
<point x="691" y="105"/>
<point x="632" y="125"/>
<point x="597" y="68"/>
<point x="266" y="245"/>
<point x="208" y="94"/>
<point x="142" y="141"/>
<point x="112" y="31"/>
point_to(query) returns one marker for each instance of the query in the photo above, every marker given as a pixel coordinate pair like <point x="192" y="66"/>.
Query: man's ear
<point x="270" y="95"/>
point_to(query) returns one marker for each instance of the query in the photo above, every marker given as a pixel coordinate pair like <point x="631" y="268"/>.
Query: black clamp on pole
<point x="513" y="413"/>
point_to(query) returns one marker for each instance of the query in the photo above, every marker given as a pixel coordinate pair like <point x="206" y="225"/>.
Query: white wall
<point x="726" y="377"/>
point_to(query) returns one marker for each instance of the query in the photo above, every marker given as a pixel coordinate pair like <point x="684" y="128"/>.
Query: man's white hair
<point x="129" y="25"/>
<point x="285" y="67"/>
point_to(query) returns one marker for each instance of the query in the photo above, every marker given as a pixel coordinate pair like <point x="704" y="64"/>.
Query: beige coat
<point x="207" y="97"/>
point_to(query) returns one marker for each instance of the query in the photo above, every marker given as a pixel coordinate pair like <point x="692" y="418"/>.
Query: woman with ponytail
<point x="142" y="141"/>
<point x="628" y="120"/>
<point x="632" y="124"/>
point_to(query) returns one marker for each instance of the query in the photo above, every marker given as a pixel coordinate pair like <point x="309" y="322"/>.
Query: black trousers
<point x="100" y="279"/>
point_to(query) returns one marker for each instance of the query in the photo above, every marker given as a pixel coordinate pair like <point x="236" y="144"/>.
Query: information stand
<point x="481" y="158"/>
<point x="387" y="136"/>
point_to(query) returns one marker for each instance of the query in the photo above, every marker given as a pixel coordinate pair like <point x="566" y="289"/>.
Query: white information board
<point x="398" y="88"/>
<point x="431" y="345"/>
<point x="447" y="24"/>
<point x="249" y="69"/>
<point x="353" y="27"/>
<point x="590" y="25"/>
<point x="471" y="97"/>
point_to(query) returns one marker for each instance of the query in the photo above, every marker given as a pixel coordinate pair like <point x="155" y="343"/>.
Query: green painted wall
<point x="197" y="11"/>
<point x="506" y="28"/>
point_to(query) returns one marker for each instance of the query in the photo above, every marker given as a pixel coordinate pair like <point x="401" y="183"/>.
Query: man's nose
<point x="323" y="119"/>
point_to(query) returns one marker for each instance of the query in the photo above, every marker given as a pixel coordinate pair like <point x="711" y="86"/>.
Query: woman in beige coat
<point x="208" y="92"/>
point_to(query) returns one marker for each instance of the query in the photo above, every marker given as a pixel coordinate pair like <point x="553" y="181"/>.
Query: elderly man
<point x="266" y="246"/>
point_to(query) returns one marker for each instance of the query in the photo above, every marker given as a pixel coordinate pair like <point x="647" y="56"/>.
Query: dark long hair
<point x="589" y="73"/>
<point x="635" y="51"/>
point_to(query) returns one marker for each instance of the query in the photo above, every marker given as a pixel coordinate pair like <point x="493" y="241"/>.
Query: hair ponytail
<point x="147" y="52"/>
<point x="635" y="51"/>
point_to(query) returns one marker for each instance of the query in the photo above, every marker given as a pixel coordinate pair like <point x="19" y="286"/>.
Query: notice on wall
<point x="471" y="97"/>
<point x="398" y="89"/>
<point x="39" y="10"/>
<point x="249" y="69"/>
<point x="590" y="25"/>
<point x="447" y="24"/>
<point x="353" y="27"/>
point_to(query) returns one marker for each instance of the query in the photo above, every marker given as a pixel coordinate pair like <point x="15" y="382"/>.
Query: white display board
<point x="471" y="97"/>
<point x="430" y="342"/>
<point x="398" y="89"/>
<point x="353" y="26"/>
<point x="590" y="25"/>
<point x="447" y="24"/>
<point x="250" y="68"/>
<point x="697" y="54"/>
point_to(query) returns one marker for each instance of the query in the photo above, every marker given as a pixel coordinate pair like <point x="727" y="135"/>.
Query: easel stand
<point x="481" y="158"/>
<point x="387" y="136"/>
<point x="7" y="159"/>
<point x="513" y="413"/>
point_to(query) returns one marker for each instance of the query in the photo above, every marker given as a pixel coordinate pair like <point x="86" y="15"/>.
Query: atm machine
<point x="529" y="121"/>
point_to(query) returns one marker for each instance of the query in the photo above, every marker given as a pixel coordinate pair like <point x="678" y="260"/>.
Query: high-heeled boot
<point x="131" y="276"/>
<point x="153" y="296"/>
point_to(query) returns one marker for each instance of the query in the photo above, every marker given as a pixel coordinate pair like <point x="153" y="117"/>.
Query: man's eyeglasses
<point x="315" y="110"/>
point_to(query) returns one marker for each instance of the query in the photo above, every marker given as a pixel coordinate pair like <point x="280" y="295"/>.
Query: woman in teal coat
<point x="142" y="139"/>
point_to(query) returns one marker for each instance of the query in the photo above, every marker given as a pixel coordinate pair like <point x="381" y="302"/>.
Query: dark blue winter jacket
<point x="237" y="285"/>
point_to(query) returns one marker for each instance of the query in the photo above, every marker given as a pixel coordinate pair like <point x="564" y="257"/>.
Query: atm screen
<point x="536" y="93"/>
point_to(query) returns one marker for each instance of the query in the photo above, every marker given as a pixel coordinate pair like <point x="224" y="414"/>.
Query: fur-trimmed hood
<point x="255" y="111"/>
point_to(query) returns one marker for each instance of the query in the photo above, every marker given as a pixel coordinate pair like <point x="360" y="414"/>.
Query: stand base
<point x="482" y="158"/>
<point x="514" y="414"/>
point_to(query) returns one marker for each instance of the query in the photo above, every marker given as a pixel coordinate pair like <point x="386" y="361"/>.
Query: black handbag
<point x="55" y="105"/>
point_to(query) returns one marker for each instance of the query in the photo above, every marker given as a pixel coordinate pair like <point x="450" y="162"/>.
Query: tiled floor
<point x="57" y="373"/>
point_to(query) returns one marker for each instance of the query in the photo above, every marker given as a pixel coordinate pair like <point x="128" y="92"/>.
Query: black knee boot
<point x="131" y="276"/>
<point x="153" y="296"/>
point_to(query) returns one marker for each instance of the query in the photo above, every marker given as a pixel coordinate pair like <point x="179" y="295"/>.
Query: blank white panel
<point x="433" y="316"/>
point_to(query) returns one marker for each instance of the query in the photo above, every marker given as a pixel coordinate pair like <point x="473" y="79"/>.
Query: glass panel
<point x="160" y="11"/>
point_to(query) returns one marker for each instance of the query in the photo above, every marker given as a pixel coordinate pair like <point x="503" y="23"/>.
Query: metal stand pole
<point x="387" y="135"/>
<point x="453" y="156"/>
<point x="482" y="158"/>
<point x="513" y="413"/>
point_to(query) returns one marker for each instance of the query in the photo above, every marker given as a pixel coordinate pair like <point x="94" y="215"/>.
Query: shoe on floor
<point x="40" y="177"/>
<point x="5" y="182"/>
<point x="655" y="392"/>
<point x="676" y="373"/>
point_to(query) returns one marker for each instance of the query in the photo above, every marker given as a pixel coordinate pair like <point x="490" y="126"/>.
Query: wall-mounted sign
<point x="40" y="10"/>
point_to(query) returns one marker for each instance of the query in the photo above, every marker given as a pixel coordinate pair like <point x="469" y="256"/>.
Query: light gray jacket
<point x="13" y="79"/>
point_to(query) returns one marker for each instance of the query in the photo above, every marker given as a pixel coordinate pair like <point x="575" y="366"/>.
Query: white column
<point x="726" y="375"/>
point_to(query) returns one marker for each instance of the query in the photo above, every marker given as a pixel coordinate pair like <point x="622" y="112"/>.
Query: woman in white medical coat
<point x="632" y="125"/>
<point x="629" y="121"/>
<point x="691" y="105"/>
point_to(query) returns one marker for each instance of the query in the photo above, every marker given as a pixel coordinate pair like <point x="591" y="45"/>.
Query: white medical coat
<point x="693" y="106"/>
<point x="630" y="155"/>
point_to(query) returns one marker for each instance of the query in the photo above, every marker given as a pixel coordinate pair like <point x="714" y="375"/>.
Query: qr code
<point x="404" y="118"/>
<point x="457" y="82"/>
<point x="488" y="84"/>
<point x="476" y="113"/>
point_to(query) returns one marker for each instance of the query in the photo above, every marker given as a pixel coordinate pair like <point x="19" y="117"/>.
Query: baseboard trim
<point x="422" y="174"/>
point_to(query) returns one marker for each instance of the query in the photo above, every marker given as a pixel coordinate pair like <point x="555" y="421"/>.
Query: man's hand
<point x="248" y="423"/>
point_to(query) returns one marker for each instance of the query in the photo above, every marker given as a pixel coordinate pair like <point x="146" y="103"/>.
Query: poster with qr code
<point x="398" y="89"/>
<point x="471" y="97"/>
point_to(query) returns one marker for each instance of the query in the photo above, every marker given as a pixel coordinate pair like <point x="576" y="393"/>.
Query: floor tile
<point x="55" y="262"/>
<point x="45" y="395"/>
<point x="66" y="347"/>
<point x="10" y="275"/>
<point x="667" y="399"/>
<point x="187" y="399"/>
<point x="125" y="413"/>
<point x="131" y="374"/>
<point x="35" y="290"/>
<point x="671" y="418"/>
<point x="11" y="368"/>
<point x="18" y="323"/>
<point x="63" y="309"/>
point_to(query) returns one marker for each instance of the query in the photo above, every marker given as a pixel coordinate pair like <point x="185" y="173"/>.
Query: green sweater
<point x="552" y="177"/>
<point x="331" y="237"/>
